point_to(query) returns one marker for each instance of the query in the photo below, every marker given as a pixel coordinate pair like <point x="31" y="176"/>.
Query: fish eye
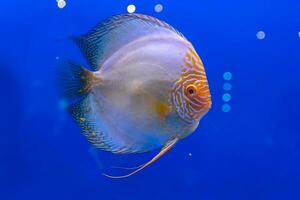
<point x="191" y="90"/>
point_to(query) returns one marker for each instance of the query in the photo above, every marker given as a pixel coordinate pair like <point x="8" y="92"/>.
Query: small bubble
<point x="226" y="97"/>
<point x="260" y="35"/>
<point x="131" y="8"/>
<point x="158" y="8"/>
<point x="226" y="107"/>
<point x="227" y="76"/>
<point x="190" y="154"/>
<point x="61" y="4"/>
<point x="227" y="86"/>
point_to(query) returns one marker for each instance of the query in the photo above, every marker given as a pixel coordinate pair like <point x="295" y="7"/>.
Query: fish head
<point x="190" y="94"/>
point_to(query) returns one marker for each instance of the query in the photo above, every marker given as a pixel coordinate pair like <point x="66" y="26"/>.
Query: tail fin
<point x="74" y="81"/>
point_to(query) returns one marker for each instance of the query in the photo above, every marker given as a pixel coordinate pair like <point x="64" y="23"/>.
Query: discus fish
<point x="147" y="87"/>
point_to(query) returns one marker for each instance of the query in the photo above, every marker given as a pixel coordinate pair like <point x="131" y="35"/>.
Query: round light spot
<point x="158" y="8"/>
<point x="226" y="97"/>
<point x="260" y="35"/>
<point x="299" y="34"/>
<point x="227" y="76"/>
<point x="226" y="107"/>
<point x="61" y="4"/>
<point x="227" y="86"/>
<point x="57" y="57"/>
<point x="131" y="8"/>
<point x="62" y="104"/>
<point x="190" y="154"/>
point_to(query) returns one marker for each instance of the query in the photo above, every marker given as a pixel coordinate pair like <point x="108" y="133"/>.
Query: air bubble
<point x="131" y="8"/>
<point x="227" y="76"/>
<point x="158" y="8"/>
<point x="226" y="107"/>
<point x="226" y="97"/>
<point x="61" y="4"/>
<point x="260" y="35"/>
<point x="227" y="86"/>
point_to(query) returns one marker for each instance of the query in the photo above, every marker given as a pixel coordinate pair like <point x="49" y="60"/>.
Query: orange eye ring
<point x="191" y="90"/>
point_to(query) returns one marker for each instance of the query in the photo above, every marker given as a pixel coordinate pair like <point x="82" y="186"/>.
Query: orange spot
<point x="162" y="109"/>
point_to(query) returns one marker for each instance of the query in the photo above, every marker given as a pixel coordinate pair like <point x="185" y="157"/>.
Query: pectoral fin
<point x="164" y="150"/>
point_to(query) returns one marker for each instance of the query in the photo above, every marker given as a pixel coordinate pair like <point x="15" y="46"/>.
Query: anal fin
<point x="162" y="152"/>
<point x="88" y="116"/>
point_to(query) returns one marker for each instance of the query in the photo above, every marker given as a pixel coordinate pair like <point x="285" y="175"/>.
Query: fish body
<point x="148" y="88"/>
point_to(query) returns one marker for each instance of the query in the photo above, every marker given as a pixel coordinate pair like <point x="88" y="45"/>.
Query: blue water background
<point x="251" y="152"/>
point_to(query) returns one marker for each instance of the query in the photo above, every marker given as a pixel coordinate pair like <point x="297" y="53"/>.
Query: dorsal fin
<point x="108" y="36"/>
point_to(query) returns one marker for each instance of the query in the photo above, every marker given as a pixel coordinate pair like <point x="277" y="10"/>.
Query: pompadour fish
<point x="147" y="87"/>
